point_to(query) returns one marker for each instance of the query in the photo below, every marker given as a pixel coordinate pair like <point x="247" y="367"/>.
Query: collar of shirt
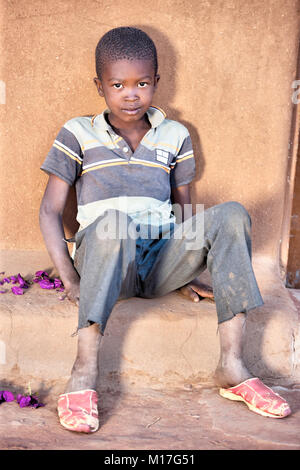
<point x="155" y="115"/>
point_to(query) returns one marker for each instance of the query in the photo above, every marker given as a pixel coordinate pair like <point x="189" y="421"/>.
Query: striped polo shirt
<point x="108" y="175"/>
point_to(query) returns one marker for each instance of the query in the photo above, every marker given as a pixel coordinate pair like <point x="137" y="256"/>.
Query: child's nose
<point x="132" y="94"/>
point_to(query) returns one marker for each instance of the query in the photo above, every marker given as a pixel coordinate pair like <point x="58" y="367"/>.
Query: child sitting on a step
<point x="129" y="165"/>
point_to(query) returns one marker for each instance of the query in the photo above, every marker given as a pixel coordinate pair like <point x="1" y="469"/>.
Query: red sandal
<point x="259" y="398"/>
<point x="78" y="411"/>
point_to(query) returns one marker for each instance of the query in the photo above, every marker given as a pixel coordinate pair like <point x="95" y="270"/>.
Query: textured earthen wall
<point x="226" y="72"/>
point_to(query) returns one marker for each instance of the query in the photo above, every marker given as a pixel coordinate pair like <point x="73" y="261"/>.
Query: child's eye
<point x="142" y="84"/>
<point x="118" y="86"/>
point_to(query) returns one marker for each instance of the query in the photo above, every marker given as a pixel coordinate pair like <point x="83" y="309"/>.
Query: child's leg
<point x="226" y="251"/>
<point x="105" y="261"/>
<point x="85" y="369"/>
<point x="107" y="272"/>
<point x="231" y="369"/>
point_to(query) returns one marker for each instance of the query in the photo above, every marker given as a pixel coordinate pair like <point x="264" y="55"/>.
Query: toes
<point x="189" y="292"/>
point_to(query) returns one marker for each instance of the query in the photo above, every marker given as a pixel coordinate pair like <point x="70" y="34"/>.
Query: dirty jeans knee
<point x="229" y="262"/>
<point x="235" y="214"/>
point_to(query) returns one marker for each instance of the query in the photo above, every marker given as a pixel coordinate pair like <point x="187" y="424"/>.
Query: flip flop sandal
<point x="258" y="397"/>
<point x="78" y="411"/>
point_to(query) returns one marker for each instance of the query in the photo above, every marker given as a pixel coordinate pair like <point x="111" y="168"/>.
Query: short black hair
<point x="124" y="42"/>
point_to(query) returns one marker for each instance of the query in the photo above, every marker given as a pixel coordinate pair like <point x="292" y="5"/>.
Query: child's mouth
<point x="131" y="111"/>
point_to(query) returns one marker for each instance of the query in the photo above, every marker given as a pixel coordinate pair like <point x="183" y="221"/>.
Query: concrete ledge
<point x="167" y="341"/>
<point x="146" y="341"/>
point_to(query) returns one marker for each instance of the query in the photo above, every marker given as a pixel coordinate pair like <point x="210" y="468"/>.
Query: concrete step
<point x="168" y="341"/>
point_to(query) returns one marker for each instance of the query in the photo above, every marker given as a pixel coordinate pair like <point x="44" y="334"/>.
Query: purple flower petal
<point x="39" y="273"/>
<point x="35" y="402"/>
<point x="3" y="291"/>
<point x="25" y="401"/>
<point x="42" y="274"/>
<point x="8" y="396"/>
<point x="46" y="284"/>
<point x="14" y="279"/>
<point x="29" y="400"/>
<point x="57" y="283"/>
<point x="22" y="281"/>
<point x="6" y="279"/>
<point x="17" y="290"/>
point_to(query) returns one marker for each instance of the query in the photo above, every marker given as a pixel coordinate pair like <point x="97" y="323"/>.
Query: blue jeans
<point x="119" y="267"/>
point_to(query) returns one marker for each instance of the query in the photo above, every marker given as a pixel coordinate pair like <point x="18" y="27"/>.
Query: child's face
<point x="128" y="87"/>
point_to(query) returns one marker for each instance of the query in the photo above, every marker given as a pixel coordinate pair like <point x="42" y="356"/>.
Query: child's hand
<point x="195" y="288"/>
<point x="72" y="291"/>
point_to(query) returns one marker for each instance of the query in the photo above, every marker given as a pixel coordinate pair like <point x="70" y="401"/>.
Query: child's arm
<point x="51" y="211"/>
<point x="181" y="195"/>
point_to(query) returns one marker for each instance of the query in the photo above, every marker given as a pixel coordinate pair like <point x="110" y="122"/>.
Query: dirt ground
<point x="189" y="418"/>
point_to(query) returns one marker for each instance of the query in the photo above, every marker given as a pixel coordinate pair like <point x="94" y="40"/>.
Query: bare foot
<point x="85" y="369"/>
<point x="231" y="369"/>
<point x="195" y="289"/>
<point x="231" y="373"/>
<point x="83" y="377"/>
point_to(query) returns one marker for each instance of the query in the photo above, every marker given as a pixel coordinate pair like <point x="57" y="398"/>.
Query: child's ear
<point x="98" y="84"/>
<point x="156" y="80"/>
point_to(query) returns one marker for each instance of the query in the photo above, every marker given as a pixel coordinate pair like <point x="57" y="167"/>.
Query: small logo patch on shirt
<point x="162" y="156"/>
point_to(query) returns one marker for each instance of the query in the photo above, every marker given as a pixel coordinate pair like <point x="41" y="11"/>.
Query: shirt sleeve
<point x="64" y="158"/>
<point x="183" y="168"/>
